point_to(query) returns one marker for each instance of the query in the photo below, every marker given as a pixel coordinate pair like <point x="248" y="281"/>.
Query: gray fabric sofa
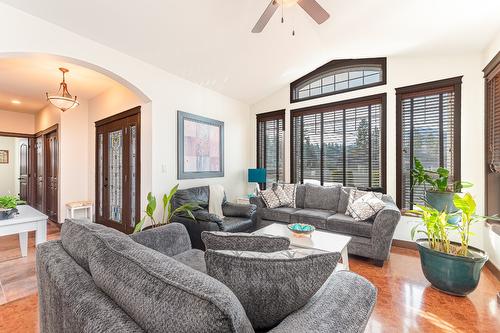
<point x="96" y="279"/>
<point x="324" y="208"/>
<point x="237" y="217"/>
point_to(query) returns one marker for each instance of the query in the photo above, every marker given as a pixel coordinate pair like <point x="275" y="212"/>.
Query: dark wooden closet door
<point x="51" y="174"/>
<point x="38" y="174"/>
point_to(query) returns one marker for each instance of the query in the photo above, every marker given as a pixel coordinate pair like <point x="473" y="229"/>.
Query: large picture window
<point x="270" y="144"/>
<point x="342" y="142"/>
<point x="428" y="128"/>
<point x="339" y="76"/>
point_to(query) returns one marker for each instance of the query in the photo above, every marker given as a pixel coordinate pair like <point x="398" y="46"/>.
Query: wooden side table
<point x="243" y="200"/>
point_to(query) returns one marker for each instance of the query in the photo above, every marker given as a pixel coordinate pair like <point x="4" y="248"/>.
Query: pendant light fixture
<point x="63" y="99"/>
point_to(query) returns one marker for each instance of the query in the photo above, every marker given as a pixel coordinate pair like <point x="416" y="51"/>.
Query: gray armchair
<point x="237" y="217"/>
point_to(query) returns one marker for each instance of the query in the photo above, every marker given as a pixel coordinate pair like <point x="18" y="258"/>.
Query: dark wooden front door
<point x="118" y="170"/>
<point x="23" y="171"/>
<point x="51" y="174"/>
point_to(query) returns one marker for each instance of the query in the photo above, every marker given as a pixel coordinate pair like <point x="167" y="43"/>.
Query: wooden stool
<point x="86" y="206"/>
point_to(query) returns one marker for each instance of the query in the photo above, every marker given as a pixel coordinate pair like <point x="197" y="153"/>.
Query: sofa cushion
<point x="315" y="217"/>
<point x="219" y="240"/>
<point x="300" y="196"/>
<point x="77" y="238"/>
<point x="281" y="214"/>
<point x="366" y="207"/>
<point x="193" y="258"/>
<point x="161" y="294"/>
<point x="344" y="199"/>
<point x="322" y="197"/>
<point x="344" y="224"/>
<point x="275" y="197"/>
<point x="270" y="286"/>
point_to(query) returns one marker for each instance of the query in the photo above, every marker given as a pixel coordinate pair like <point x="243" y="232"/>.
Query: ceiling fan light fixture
<point x="63" y="99"/>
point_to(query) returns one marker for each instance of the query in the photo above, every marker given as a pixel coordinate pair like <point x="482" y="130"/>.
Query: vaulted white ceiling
<point x="209" y="41"/>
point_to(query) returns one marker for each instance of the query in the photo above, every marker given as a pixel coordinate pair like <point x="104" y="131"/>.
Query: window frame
<point x="418" y="89"/>
<point x="336" y="65"/>
<point x="491" y="69"/>
<point x="344" y="104"/>
<point x="269" y="116"/>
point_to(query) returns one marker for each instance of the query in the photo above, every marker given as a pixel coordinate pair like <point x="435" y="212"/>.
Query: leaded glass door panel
<point x="117" y="171"/>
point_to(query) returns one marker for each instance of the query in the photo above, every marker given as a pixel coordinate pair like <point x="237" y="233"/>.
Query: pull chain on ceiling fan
<point x="311" y="7"/>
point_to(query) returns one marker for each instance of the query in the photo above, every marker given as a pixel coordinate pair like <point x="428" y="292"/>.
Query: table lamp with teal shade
<point x="257" y="176"/>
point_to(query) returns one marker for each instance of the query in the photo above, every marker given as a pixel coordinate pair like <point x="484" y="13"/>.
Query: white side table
<point x="72" y="207"/>
<point x="28" y="219"/>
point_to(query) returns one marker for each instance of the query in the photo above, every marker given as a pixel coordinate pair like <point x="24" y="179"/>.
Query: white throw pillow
<point x="355" y="195"/>
<point x="275" y="197"/>
<point x="366" y="207"/>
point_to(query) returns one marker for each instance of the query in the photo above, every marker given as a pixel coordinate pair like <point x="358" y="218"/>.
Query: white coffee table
<point x="318" y="240"/>
<point x="28" y="219"/>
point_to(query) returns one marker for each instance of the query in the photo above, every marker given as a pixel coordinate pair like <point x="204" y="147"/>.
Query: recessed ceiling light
<point x="15" y="101"/>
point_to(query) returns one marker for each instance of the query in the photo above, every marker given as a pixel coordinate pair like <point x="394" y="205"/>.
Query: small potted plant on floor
<point x="440" y="194"/>
<point x="452" y="267"/>
<point x="168" y="211"/>
<point x="8" y="206"/>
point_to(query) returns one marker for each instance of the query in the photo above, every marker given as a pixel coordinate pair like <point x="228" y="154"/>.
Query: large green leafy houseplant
<point x="168" y="211"/>
<point x="437" y="225"/>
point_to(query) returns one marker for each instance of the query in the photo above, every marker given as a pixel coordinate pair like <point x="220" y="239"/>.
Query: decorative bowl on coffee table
<point x="301" y="229"/>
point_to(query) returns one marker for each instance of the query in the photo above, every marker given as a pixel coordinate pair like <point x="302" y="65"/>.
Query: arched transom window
<point x="339" y="76"/>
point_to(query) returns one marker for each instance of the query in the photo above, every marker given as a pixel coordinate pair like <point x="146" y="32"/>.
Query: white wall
<point x="7" y="171"/>
<point x="403" y="71"/>
<point x="164" y="92"/>
<point x="16" y="122"/>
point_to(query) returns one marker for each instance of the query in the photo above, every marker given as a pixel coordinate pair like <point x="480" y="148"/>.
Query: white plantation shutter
<point x="340" y="143"/>
<point x="270" y="144"/>
<point x="429" y="131"/>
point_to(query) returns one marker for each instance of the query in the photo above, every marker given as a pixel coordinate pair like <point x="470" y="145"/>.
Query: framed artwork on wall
<point x="4" y="157"/>
<point x="200" y="147"/>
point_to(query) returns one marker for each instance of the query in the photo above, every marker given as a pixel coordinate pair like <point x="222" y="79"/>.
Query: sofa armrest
<point x="202" y="215"/>
<point x="258" y="201"/>
<point x="384" y="225"/>
<point x="343" y="304"/>
<point x="238" y="210"/>
<point x="170" y="239"/>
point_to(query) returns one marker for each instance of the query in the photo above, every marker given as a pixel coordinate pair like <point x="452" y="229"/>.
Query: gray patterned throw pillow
<point x="354" y="195"/>
<point x="239" y="241"/>
<point x="270" y="286"/>
<point x="291" y="191"/>
<point x="366" y="207"/>
<point x="275" y="197"/>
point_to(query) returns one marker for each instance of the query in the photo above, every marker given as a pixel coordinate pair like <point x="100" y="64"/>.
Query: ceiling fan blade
<point x="314" y="10"/>
<point x="265" y="17"/>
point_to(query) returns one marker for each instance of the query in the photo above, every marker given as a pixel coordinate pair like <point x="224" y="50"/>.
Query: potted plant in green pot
<point x="441" y="193"/>
<point x="452" y="267"/>
<point x="8" y="206"/>
<point x="168" y="211"/>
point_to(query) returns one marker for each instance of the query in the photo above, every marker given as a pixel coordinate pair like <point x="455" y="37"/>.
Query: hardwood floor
<point x="406" y="301"/>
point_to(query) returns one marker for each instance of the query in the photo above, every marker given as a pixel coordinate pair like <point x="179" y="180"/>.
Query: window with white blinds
<point x="429" y="130"/>
<point x="270" y="144"/>
<point x="342" y="143"/>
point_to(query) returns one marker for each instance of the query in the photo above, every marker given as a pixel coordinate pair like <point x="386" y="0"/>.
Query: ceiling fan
<point x="311" y="7"/>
